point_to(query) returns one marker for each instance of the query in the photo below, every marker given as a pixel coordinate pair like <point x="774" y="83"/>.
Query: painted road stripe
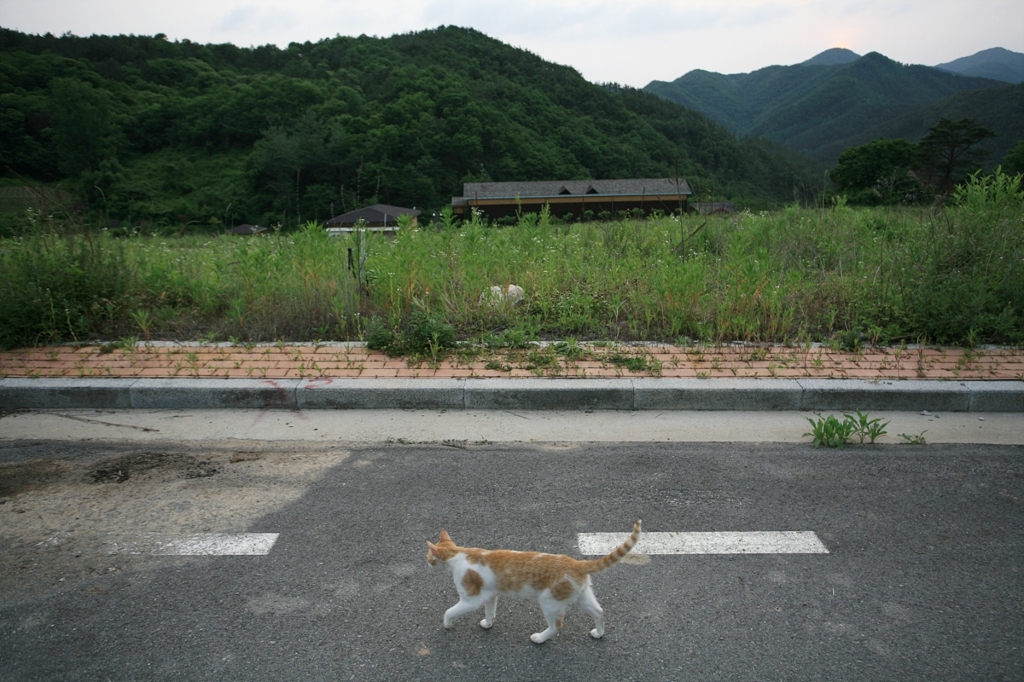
<point x="195" y="544"/>
<point x="757" y="542"/>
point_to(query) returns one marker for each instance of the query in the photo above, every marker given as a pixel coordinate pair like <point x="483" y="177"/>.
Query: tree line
<point x="894" y="171"/>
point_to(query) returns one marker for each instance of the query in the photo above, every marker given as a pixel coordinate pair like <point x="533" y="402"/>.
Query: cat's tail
<point x="609" y="560"/>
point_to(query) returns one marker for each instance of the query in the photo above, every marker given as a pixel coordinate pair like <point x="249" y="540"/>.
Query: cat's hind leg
<point x="589" y="603"/>
<point x="463" y="607"/>
<point x="490" y="608"/>
<point x="553" y="613"/>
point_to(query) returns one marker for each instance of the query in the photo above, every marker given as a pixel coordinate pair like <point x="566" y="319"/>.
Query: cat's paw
<point x="596" y="634"/>
<point x="537" y="638"/>
<point x="486" y="624"/>
<point x="447" y="625"/>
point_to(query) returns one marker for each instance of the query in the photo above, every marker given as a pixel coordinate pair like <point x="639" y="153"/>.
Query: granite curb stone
<point x="716" y="394"/>
<point x="381" y="394"/>
<point x="903" y="396"/>
<point x="19" y="393"/>
<point x="549" y="394"/>
<point x="214" y="393"/>
<point x="997" y="396"/>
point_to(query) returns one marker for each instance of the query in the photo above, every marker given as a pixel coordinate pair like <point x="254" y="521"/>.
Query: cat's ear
<point x="444" y="536"/>
<point x="433" y="548"/>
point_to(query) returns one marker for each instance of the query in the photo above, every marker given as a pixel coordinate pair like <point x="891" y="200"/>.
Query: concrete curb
<point x="380" y="394"/>
<point x="549" y="394"/>
<point x="717" y="394"/>
<point x="515" y="394"/>
<point x="905" y="396"/>
<point x="65" y="393"/>
<point x="155" y="394"/>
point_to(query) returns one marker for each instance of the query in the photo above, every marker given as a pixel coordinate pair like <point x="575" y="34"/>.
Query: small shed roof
<point x="553" y="188"/>
<point x="710" y="207"/>
<point x="247" y="229"/>
<point x="378" y="214"/>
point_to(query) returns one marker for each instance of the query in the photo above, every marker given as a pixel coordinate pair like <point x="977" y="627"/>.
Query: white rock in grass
<point x="511" y="294"/>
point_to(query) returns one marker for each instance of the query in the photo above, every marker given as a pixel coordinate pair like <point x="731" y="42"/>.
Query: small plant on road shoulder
<point x="831" y="432"/>
<point x="634" y="363"/>
<point x="570" y="349"/>
<point x="128" y="344"/>
<point x="865" y="427"/>
<point x="144" y="320"/>
<point x="914" y="439"/>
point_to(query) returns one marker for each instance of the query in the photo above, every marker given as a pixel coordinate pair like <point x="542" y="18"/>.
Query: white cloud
<point x="238" y="19"/>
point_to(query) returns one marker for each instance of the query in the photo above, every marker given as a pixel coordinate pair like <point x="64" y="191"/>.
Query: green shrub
<point x="424" y="334"/>
<point x="429" y="334"/>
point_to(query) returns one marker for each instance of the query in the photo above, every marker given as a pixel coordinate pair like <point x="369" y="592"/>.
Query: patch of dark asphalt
<point x="120" y="469"/>
<point x="19" y="478"/>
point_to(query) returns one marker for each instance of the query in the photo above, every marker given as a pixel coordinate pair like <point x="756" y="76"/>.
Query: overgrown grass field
<point x="951" y="275"/>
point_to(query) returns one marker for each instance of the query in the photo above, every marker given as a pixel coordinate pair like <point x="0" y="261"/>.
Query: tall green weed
<point x="62" y="287"/>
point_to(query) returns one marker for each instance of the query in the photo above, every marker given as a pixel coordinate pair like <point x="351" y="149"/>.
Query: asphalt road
<point x="923" y="579"/>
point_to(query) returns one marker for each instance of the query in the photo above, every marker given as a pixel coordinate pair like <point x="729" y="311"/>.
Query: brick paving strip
<point x="590" y="362"/>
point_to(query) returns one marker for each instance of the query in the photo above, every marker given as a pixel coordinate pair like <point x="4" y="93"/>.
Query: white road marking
<point x="195" y="544"/>
<point x="756" y="542"/>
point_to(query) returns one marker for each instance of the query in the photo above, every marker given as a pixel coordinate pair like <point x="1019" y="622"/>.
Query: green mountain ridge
<point x="997" y="63"/>
<point x="819" y="110"/>
<point x="832" y="57"/>
<point x="729" y="99"/>
<point x="145" y="129"/>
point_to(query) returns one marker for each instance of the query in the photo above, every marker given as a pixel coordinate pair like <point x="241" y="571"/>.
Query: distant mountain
<point x="738" y="101"/>
<point x="819" y="107"/>
<point x="997" y="63"/>
<point x="833" y="57"/>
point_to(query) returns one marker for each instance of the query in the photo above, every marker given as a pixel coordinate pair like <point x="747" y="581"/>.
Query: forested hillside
<point x="739" y="101"/>
<point x="819" y="109"/>
<point x="144" y="129"/>
<point x="1000" y="109"/>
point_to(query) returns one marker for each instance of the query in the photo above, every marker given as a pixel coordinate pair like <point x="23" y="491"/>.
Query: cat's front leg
<point x="460" y="609"/>
<point x="490" y="608"/>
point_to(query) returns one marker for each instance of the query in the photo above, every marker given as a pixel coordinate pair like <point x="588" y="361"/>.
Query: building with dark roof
<point x="714" y="207"/>
<point x="379" y="216"/>
<point x="580" y="198"/>
<point x="247" y="229"/>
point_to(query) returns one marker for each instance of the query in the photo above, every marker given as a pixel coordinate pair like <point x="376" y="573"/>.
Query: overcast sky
<point x="627" y="41"/>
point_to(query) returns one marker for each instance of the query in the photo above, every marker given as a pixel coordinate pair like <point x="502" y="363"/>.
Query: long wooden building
<point x="581" y="198"/>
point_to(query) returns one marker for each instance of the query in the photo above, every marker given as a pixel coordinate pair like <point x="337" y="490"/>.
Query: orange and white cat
<point x="557" y="581"/>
